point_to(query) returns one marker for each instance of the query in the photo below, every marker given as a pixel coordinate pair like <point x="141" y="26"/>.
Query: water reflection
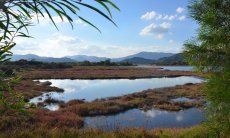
<point x="178" y="68"/>
<point x="150" y="119"/>
<point x="95" y="89"/>
<point x="183" y="99"/>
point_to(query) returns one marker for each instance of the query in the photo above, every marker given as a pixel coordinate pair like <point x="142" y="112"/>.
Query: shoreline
<point x="159" y="98"/>
<point x="76" y="110"/>
<point x="30" y="89"/>
<point x="100" y="72"/>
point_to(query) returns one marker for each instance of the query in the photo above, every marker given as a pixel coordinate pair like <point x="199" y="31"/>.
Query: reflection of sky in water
<point x="178" y="68"/>
<point x="149" y="119"/>
<point x="93" y="89"/>
<point x="52" y="107"/>
<point x="183" y="99"/>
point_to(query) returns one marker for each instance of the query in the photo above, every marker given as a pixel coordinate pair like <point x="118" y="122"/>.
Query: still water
<point x="178" y="68"/>
<point x="148" y="119"/>
<point x="96" y="89"/>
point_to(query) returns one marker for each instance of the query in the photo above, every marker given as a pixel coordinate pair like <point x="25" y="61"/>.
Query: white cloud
<point x="152" y="15"/>
<point x="181" y="18"/>
<point x="156" y="16"/>
<point x="159" y="16"/>
<point x="149" y="15"/>
<point x="80" y="22"/>
<point x="157" y="30"/>
<point x="171" y="41"/>
<point x="180" y="10"/>
<point x="44" y="21"/>
<point x="165" y="25"/>
<point x="172" y="17"/>
<point x="59" y="45"/>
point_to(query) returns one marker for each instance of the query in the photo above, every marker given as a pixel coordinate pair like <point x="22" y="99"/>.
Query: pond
<point x="96" y="89"/>
<point x="148" y="119"/>
<point x="183" y="99"/>
<point x="178" y="68"/>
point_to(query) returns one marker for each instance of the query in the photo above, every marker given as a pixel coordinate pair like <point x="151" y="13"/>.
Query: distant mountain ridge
<point x="139" y="58"/>
<point x="176" y="59"/>
<point x="30" y="57"/>
<point x="81" y="58"/>
<point x="145" y="55"/>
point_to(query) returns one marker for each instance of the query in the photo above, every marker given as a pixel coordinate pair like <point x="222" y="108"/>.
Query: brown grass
<point x="157" y="98"/>
<point x="194" y="132"/>
<point x="99" y="72"/>
<point x="31" y="89"/>
<point x="36" y="118"/>
<point x="70" y="115"/>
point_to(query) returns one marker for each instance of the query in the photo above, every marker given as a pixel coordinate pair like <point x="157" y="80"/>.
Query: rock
<point x="46" y="83"/>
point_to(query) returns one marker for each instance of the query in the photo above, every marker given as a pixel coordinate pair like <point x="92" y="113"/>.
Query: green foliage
<point x="210" y="52"/>
<point x="10" y="101"/>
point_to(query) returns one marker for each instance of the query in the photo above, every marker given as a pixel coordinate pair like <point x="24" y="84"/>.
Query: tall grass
<point x="197" y="131"/>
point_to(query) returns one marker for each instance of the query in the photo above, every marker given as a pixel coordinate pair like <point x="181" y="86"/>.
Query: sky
<point x="143" y="25"/>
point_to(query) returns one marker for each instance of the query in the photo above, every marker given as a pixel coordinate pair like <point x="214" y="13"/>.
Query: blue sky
<point x="143" y="25"/>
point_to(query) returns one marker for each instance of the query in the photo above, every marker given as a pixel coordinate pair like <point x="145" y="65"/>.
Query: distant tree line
<point x="11" y="66"/>
<point x="104" y="63"/>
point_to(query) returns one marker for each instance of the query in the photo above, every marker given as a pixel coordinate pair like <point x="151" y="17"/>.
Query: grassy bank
<point x="67" y="121"/>
<point x="100" y="72"/>
<point x="148" y="99"/>
<point x="71" y="115"/>
<point x="30" y="88"/>
<point x="198" y="131"/>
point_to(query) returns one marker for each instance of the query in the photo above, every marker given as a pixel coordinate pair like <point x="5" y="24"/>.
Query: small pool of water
<point x="178" y="68"/>
<point x="183" y="99"/>
<point x="148" y="119"/>
<point x="52" y="107"/>
<point x="96" y="89"/>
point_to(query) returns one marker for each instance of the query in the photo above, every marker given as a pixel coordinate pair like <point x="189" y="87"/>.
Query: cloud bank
<point x="59" y="45"/>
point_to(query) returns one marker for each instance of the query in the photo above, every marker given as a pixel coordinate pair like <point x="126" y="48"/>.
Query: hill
<point x="138" y="60"/>
<point x="145" y="55"/>
<point x="30" y="57"/>
<point x="81" y="58"/>
<point x="176" y="59"/>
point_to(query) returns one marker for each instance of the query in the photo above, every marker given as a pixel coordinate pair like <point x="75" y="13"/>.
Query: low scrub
<point x="198" y="131"/>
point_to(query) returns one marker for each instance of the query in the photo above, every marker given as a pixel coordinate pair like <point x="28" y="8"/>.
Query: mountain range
<point x="144" y="55"/>
<point x="139" y="58"/>
<point x="30" y="57"/>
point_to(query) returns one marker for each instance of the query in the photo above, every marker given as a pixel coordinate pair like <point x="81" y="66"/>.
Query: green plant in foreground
<point x="210" y="53"/>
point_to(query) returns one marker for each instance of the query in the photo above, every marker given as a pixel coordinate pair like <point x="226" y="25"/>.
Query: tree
<point x="15" y="18"/>
<point x="210" y="53"/>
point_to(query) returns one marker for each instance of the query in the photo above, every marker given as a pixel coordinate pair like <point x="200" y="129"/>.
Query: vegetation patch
<point x="148" y="99"/>
<point x="200" y="131"/>
<point x="102" y="72"/>
<point x="30" y="89"/>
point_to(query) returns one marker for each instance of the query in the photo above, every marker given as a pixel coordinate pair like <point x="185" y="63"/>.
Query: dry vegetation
<point x="30" y="88"/>
<point x="154" y="98"/>
<point x="198" y="131"/>
<point x="70" y="117"/>
<point x="99" y="72"/>
<point x="72" y="113"/>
